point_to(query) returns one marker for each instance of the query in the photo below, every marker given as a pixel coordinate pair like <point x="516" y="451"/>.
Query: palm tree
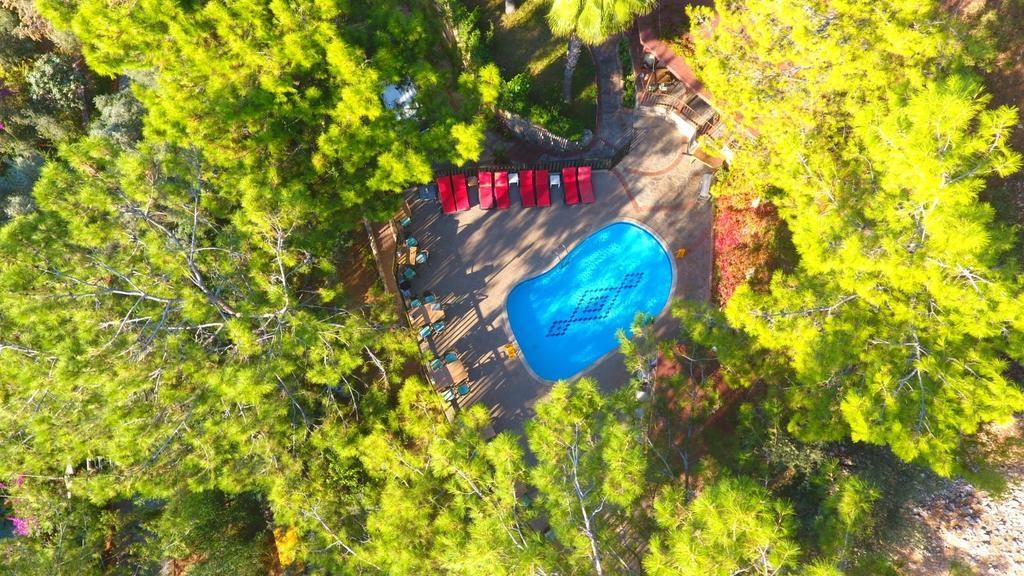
<point x="589" y="22"/>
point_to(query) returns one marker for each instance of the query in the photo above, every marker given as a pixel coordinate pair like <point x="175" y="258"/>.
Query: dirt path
<point x="666" y="24"/>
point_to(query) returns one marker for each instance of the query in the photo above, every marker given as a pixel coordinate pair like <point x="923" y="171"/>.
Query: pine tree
<point x="151" y="345"/>
<point x="173" y="323"/>
<point x="279" y="101"/>
<point x="898" y="321"/>
<point x="732" y="527"/>
<point x="590" y="471"/>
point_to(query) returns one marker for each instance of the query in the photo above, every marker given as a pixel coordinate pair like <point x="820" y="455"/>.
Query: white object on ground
<point x="401" y="98"/>
<point x="705" y="186"/>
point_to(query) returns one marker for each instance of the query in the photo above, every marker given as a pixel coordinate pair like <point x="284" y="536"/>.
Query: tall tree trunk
<point x="581" y="495"/>
<point x="572" y="57"/>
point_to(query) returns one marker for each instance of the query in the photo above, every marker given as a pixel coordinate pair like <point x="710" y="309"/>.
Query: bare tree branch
<point x="314" y="514"/>
<point x="581" y="495"/>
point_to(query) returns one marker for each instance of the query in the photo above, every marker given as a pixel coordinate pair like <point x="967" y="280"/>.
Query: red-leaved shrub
<point x="745" y="241"/>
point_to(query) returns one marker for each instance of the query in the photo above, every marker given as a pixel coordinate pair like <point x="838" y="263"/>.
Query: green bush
<point x="554" y="121"/>
<point x="119" y="118"/>
<point x="515" y="93"/>
<point x="628" y="77"/>
<point x="56" y="85"/>
<point x="213" y="532"/>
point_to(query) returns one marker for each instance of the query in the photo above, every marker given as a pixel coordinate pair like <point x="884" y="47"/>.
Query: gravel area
<point x="961" y="526"/>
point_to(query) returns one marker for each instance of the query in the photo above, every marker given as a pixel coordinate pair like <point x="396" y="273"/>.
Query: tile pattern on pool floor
<point x="594" y="304"/>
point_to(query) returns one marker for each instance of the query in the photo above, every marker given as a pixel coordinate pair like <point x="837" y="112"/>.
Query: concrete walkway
<point x="478" y="256"/>
<point x="614" y="123"/>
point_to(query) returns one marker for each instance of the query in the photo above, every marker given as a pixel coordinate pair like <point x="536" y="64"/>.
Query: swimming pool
<point x="567" y="318"/>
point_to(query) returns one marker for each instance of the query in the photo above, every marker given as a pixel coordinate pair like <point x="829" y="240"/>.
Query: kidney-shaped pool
<point x="567" y="318"/>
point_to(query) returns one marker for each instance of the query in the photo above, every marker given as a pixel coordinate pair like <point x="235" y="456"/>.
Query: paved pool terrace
<point x="478" y="256"/>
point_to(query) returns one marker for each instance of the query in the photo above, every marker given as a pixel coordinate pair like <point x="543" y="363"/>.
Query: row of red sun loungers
<point x="534" y="188"/>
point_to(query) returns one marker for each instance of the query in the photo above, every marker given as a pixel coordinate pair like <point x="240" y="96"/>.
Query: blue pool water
<point x="567" y="318"/>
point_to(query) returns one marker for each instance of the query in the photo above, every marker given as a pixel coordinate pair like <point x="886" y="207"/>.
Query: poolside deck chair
<point x="461" y="192"/>
<point x="436" y="364"/>
<point x="526" y="189"/>
<point x="438" y="326"/>
<point x="444" y="190"/>
<point x="415" y="303"/>
<point x="450" y="357"/>
<point x="486" y="190"/>
<point x="422" y="257"/>
<point x="429" y="298"/>
<point x="410" y="242"/>
<point x="428" y="192"/>
<point x="425" y="331"/>
<point x="448" y="395"/>
<point x="542" y="184"/>
<point x="408" y="273"/>
<point x="405" y="222"/>
<point x="464" y="389"/>
<point x="586" y="186"/>
<point x="501" y="190"/>
<point x="572" y="192"/>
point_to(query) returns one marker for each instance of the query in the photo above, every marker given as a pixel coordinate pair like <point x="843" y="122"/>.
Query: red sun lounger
<point x="444" y="190"/>
<point x="501" y="189"/>
<point x="586" y="187"/>
<point x="461" y="192"/>
<point x="486" y="190"/>
<point x="543" y="187"/>
<point x="526" y="192"/>
<point x="572" y="193"/>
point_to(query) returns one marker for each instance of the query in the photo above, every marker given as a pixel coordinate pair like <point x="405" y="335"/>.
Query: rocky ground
<point x="973" y="529"/>
<point x="965" y="530"/>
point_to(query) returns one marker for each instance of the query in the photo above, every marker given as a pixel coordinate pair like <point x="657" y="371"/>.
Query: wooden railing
<point x="706" y="123"/>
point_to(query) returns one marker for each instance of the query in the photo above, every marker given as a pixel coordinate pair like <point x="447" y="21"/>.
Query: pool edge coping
<point x="507" y="324"/>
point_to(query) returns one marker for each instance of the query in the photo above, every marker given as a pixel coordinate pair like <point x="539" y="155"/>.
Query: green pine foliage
<point x="846" y="513"/>
<point x="732" y="527"/>
<point x="211" y="533"/>
<point x="186" y="382"/>
<point x="173" y="323"/>
<point x="440" y="499"/>
<point x="448" y="501"/>
<point x="175" y="331"/>
<point x="590" y="467"/>
<point x="184" y="348"/>
<point x="280" y="101"/>
<point x="897" y="324"/>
